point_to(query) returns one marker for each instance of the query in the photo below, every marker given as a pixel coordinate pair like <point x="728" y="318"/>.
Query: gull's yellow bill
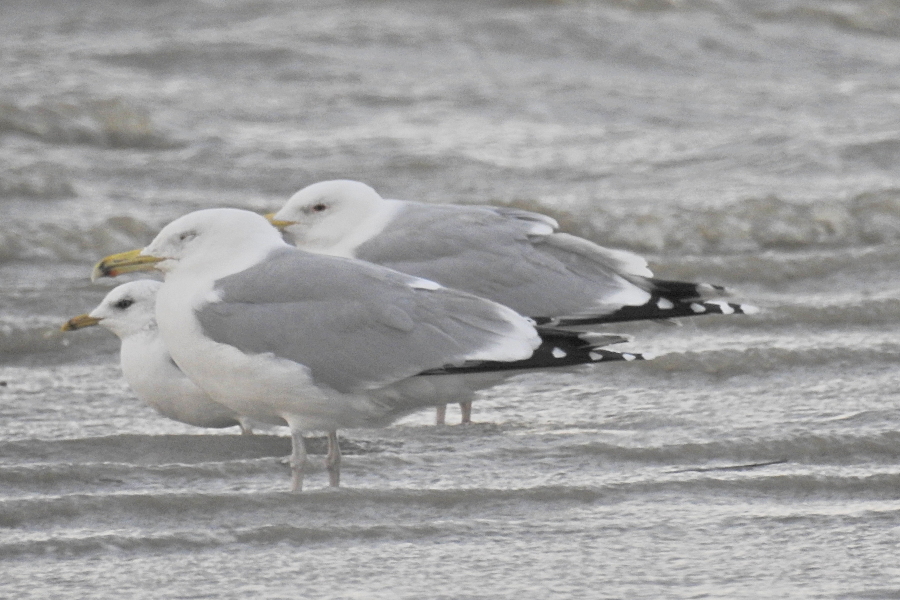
<point x="124" y="262"/>
<point x="79" y="322"/>
<point x="277" y="224"/>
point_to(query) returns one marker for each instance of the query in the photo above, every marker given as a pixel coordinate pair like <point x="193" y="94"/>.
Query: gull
<point x="327" y="343"/>
<point x="128" y="312"/>
<point x="511" y="256"/>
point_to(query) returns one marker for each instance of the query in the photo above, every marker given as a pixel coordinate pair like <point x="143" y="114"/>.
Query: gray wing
<point x="354" y="325"/>
<point x="510" y="256"/>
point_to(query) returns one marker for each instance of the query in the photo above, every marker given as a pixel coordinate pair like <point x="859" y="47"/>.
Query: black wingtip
<point x="559" y="348"/>
<point x="656" y="309"/>
<point x="682" y="291"/>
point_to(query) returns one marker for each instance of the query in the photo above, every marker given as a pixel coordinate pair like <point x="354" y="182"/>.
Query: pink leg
<point x="298" y="460"/>
<point x="333" y="460"/>
<point x="466" y="409"/>
<point x="246" y="428"/>
<point x="441" y="414"/>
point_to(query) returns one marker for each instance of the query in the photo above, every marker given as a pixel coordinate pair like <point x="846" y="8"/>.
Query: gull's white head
<point x="216" y="241"/>
<point x="128" y="309"/>
<point x="208" y="243"/>
<point x="325" y="214"/>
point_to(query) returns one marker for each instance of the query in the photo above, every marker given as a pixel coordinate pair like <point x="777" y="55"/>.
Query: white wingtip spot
<point x="541" y="229"/>
<point x="697" y="307"/>
<point x="664" y="304"/>
<point x="559" y="353"/>
<point x="629" y="357"/>
<point x="749" y="309"/>
<point x="595" y="356"/>
<point x="424" y="284"/>
<point x="726" y="308"/>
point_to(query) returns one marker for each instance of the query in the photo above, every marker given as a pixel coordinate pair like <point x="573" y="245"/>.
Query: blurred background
<point x="753" y="144"/>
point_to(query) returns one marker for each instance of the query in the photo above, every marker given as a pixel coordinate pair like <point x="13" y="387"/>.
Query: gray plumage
<point x="353" y="325"/>
<point x="503" y="254"/>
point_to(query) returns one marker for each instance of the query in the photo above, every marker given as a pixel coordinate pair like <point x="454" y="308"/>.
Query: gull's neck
<point x="368" y="228"/>
<point x="211" y="266"/>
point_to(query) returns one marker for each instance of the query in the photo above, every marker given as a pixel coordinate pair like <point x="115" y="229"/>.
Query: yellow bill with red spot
<point x="124" y="262"/>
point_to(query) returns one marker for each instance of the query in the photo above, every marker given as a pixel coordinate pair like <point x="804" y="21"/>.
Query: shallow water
<point x="748" y="144"/>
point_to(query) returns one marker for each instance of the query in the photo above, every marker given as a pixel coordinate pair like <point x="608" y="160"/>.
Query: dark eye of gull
<point x="124" y="303"/>
<point x="319" y="207"/>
